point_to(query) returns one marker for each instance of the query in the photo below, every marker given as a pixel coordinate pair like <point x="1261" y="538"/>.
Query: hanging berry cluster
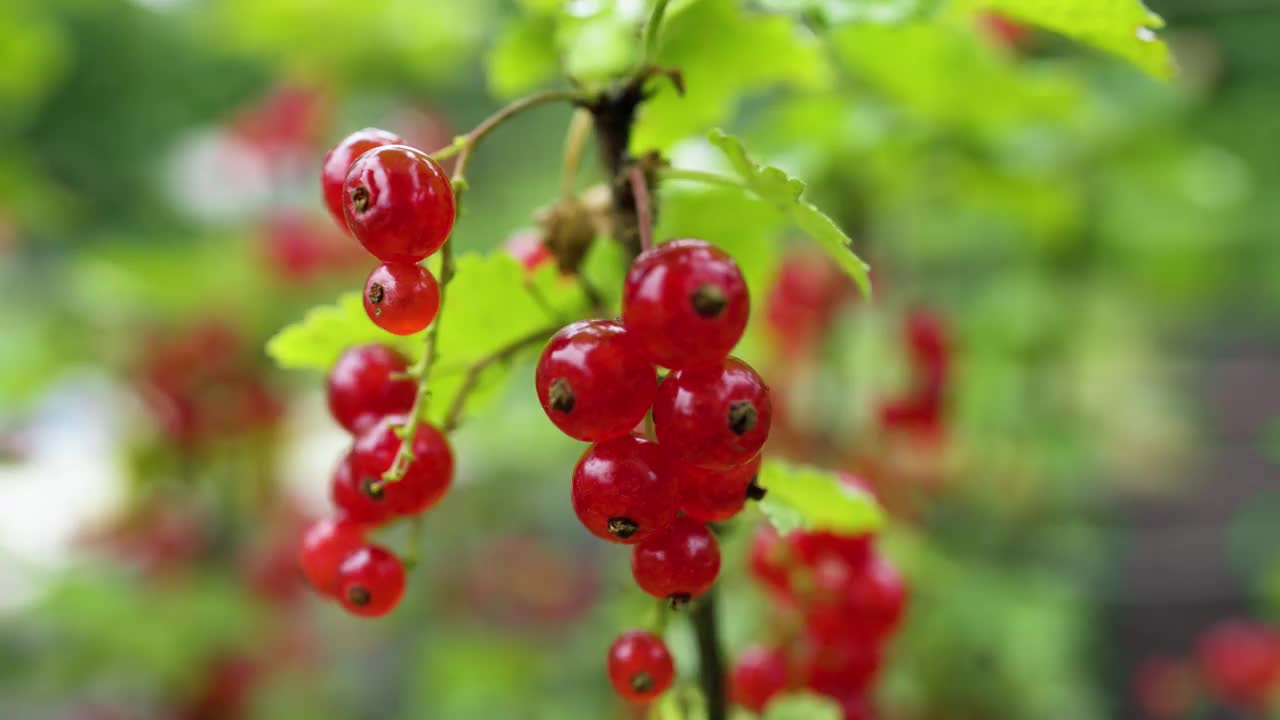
<point x="684" y="307"/>
<point x="849" y="599"/>
<point x="399" y="204"/>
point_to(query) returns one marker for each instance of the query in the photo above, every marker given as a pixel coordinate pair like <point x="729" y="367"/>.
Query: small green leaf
<point x="783" y="191"/>
<point x="846" y="11"/>
<point x="600" y="48"/>
<point x="1123" y="27"/>
<point x="802" y="706"/>
<point x="803" y="497"/>
<point x="315" y="342"/>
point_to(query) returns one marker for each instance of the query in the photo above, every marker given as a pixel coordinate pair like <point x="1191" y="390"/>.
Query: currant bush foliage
<point x="808" y="498"/>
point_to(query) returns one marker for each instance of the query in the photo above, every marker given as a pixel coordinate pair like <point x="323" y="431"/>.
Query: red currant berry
<point x="361" y="386"/>
<point x="687" y="303"/>
<point x="856" y="707"/>
<point x="770" y="561"/>
<point x="428" y="476"/>
<point x="716" y="416"/>
<point x="839" y="669"/>
<point x="1240" y="662"/>
<point x="594" y="380"/>
<point x="337" y="163"/>
<point x="816" y="549"/>
<point x="356" y="496"/>
<point x="678" y="563"/>
<point x="401" y="298"/>
<point x="399" y="203"/>
<point x="623" y="490"/>
<point x="370" y="581"/>
<point x="640" y="666"/>
<point x="855" y="602"/>
<point x="759" y="674"/>
<point x="715" y="495"/>
<point x="324" y="546"/>
<point x="527" y="247"/>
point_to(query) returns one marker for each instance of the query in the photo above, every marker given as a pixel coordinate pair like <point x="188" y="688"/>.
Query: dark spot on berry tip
<point x="642" y="682"/>
<point x="754" y="491"/>
<point x="708" y="300"/>
<point x="358" y="595"/>
<point x="679" y="601"/>
<point x="622" y="528"/>
<point x="376" y="294"/>
<point x="742" y="417"/>
<point x="371" y="488"/>
<point x="560" y="396"/>
<point x="360" y="198"/>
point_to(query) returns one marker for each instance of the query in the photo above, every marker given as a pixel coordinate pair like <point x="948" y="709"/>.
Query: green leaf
<point x="1123" y="27"/>
<point x="725" y="54"/>
<point x="315" y="342"/>
<point x="803" y="497"/>
<point x="783" y="191"/>
<point x="846" y="11"/>
<point x="602" y="47"/>
<point x="524" y="56"/>
<point x="802" y="706"/>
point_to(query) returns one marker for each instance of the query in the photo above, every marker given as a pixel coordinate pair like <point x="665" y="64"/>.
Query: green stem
<point x="464" y="145"/>
<point x="574" y="143"/>
<point x="644" y="205"/>
<point x="454" y="417"/>
<point x="700" y="176"/>
<point x="652" y="31"/>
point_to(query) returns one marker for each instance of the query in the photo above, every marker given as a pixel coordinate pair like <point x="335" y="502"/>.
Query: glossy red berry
<point x="640" y="666"/>
<point x="594" y="380"/>
<point x="847" y="601"/>
<point x="370" y="581"/>
<point x="759" y="674"/>
<point x="337" y="163"/>
<point x="687" y="303"/>
<point x="677" y="563"/>
<point x="715" y="495"/>
<point x="356" y="496"/>
<point x="428" y="476"/>
<point x="623" y="490"/>
<point x="398" y="203"/>
<point x="401" y="298"/>
<point x="839" y="669"/>
<point x="715" y="416"/>
<point x="770" y="561"/>
<point x="362" y="386"/>
<point x="325" y="544"/>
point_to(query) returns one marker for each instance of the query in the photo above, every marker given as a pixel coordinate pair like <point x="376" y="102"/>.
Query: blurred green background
<point x="1100" y="246"/>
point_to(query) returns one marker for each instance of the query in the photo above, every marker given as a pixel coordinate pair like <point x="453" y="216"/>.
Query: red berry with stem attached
<point x="370" y="581"/>
<point x="398" y="203"/>
<point x="640" y="666"/>
<point x="337" y="163"/>
<point x="401" y="298"/>
<point x="714" y="495"/>
<point x="687" y="303"/>
<point x="362" y="386"/>
<point x="594" y="380"/>
<point x="356" y="496"/>
<point x="759" y="674"/>
<point x="427" y="477"/>
<point x="325" y="544"/>
<point x="677" y="563"/>
<point x="715" y="416"/>
<point x="623" y="490"/>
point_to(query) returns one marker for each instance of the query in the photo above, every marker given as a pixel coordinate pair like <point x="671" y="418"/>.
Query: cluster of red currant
<point x="399" y="204"/>
<point x="849" y="599"/>
<point x="684" y="307"/>
<point x="1235" y="663"/>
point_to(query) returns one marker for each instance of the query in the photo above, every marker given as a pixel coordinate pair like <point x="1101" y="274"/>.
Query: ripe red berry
<point x="325" y="544"/>
<point x="401" y="298"/>
<point x="527" y="247"/>
<point x="839" y="669"/>
<point x="428" y="476"/>
<point x="623" y="490"/>
<point x="715" y="416"/>
<point x="759" y="674"/>
<point x="398" y="203"/>
<point x="715" y="495"/>
<point x="337" y="163"/>
<point x="640" y="666"/>
<point x="848" y="601"/>
<point x="594" y="380"/>
<point x="370" y="581"/>
<point x="687" y="303"/>
<point x="354" y="494"/>
<point x="677" y="563"/>
<point x="770" y="561"/>
<point x="361" y="386"/>
<point x="1240" y="662"/>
